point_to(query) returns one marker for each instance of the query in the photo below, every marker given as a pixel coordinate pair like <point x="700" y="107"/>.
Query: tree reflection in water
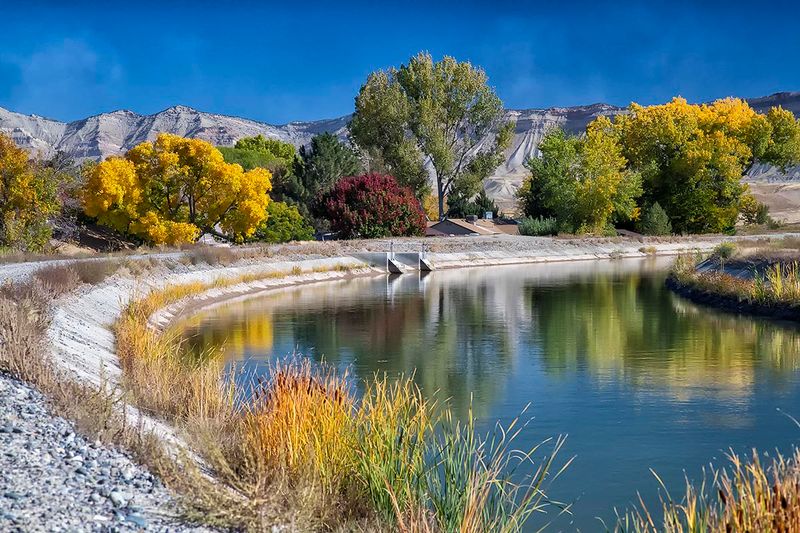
<point x="460" y="332"/>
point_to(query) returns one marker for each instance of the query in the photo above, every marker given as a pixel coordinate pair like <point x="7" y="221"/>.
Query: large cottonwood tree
<point x="171" y="190"/>
<point x="440" y="115"/>
<point x="692" y="157"/>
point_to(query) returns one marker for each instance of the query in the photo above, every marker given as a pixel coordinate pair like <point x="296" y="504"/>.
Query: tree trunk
<point x="215" y="233"/>
<point x="441" y="199"/>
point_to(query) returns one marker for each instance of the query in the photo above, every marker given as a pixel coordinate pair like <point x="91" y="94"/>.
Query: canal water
<point x="635" y="377"/>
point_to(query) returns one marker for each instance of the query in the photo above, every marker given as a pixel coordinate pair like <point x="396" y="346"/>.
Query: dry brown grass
<point x="213" y="255"/>
<point x="750" y="495"/>
<point x="96" y="271"/>
<point x="302" y="449"/>
<point x="58" y="279"/>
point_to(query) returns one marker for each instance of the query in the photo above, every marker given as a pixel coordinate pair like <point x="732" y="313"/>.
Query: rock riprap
<point x="52" y="479"/>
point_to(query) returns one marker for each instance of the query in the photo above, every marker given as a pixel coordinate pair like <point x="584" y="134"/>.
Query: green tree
<point x="581" y="181"/>
<point x="284" y="223"/>
<point x="460" y="205"/>
<point x="655" y="221"/>
<point x="324" y="162"/>
<point x="28" y="199"/>
<point x="279" y="157"/>
<point x="783" y="146"/>
<point x="441" y="113"/>
<point x="753" y="211"/>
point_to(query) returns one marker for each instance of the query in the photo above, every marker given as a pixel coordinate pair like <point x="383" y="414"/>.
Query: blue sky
<point x="306" y="60"/>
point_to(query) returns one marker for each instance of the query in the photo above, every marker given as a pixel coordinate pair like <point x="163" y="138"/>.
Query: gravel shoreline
<point x="53" y="479"/>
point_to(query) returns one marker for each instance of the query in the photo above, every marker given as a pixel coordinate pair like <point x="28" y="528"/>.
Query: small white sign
<point x="487" y="215"/>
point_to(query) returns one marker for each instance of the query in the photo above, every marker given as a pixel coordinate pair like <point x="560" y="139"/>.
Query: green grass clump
<point x="725" y="250"/>
<point x="540" y="226"/>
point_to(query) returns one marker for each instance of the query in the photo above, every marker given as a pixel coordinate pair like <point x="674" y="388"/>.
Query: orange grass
<point x="747" y="496"/>
<point x="301" y="437"/>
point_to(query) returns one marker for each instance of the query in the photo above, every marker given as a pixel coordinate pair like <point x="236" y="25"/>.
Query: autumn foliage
<point x="371" y="206"/>
<point x="687" y="158"/>
<point x="692" y="157"/>
<point x="28" y="197"/>
<point x="171" y="190"/>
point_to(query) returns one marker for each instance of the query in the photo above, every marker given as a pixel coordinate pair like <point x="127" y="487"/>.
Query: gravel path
<point x="52" y="479"/>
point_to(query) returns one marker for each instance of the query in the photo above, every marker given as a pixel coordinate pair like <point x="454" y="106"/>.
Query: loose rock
<point x="52" y="479"/>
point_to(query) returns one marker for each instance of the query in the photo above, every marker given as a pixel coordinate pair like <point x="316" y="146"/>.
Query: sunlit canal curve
<point x="637" y="377"/>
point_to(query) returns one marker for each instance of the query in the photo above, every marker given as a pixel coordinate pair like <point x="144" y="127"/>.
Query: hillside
<point x="113" y="133"/>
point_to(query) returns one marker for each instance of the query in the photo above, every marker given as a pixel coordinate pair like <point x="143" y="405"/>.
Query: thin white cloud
<point x="65" y="80"/>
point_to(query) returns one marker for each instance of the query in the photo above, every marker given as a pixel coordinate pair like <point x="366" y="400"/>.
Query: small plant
<point x="213" y="255"/>
<point x="95" y="271"/>
<point x="540" y="226"/>
<point x="752" y="211"/>
<point x="617" y="255"/>
<point x="725" y="250"/>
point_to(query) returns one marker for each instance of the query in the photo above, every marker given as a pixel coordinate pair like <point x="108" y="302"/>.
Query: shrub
<point x="95" y="271"/>
<point x="58" y="279"/>
<point x="752" y="211"/>
<point x="655" y="221"/>
<point x="371" y="206"/>
<point x="773" y="224"/>
<point x="649" y="250"/>
<point x="284" y="223"/>
<point x="538" y="226"/>
<point x="213" y="255"/>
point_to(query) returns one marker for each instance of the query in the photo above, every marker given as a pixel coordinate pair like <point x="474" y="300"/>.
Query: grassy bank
<point x="756" y="280"/>
<point x="302" y="444"/>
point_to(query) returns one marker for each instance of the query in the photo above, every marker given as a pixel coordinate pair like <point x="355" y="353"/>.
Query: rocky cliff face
<point x="113" y="133"/>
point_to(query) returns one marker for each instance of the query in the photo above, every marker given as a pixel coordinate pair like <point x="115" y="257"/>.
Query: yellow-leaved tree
<point x="692" y="157"/>
<point x="172" y="190"/>
<point x="28" y="198"/>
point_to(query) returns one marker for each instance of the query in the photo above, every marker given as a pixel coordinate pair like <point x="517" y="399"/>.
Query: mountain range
<point x="113" y="133"/>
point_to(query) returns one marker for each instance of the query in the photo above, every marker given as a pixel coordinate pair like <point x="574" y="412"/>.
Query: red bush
<point x="372" y="206"/>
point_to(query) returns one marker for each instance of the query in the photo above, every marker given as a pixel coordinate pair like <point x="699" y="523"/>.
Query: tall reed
<point x="388" y="455"/>
<point x="746" y="496"/>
